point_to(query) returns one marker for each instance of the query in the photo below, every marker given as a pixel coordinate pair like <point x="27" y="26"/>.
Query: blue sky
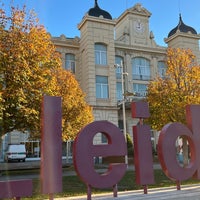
<point x="62" y="16"/>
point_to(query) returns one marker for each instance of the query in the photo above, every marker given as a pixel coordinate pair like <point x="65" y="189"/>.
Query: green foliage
<point x="129" y="145"/>
<point x="73" y="186"/>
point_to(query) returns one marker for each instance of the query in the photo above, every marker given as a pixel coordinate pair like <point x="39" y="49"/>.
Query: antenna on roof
<point x="179" y="6"/>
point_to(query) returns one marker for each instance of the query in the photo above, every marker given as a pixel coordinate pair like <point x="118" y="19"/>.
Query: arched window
<point x="70" y="62"/>
<point x="100" y="54"/>
<point x="161" y="69"/>
<point x="140" y="69"/>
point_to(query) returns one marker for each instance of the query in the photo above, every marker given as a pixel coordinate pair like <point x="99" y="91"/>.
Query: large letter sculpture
<point x="85" y="152"/>
<point x="167" y="150"/>
<point x="51" y="146"/>
<point x="143" y="159"/>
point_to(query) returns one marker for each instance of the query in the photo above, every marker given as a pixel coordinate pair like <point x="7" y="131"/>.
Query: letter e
<point x="84" y="152"/>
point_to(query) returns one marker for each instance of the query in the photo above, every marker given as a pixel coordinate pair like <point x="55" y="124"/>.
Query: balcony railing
<point x="140" y="77"/>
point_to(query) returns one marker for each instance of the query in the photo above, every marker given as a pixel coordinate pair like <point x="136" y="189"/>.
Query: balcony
<point x="141" y="77"/>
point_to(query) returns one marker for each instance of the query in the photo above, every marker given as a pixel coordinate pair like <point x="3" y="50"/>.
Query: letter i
<point x="143" y="158"/>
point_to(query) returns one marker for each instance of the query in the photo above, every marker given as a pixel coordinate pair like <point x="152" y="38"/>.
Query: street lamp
<point x="121" y="66"/>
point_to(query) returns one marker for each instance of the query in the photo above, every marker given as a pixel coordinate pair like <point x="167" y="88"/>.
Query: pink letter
<point x="142" y="145"/>
<point x="84" y="152"/>
<point x="51" y="145"/>
<point x="167" y="150"/>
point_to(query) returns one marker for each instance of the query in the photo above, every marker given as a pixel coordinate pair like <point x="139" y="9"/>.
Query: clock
<point x="139" y="26"/>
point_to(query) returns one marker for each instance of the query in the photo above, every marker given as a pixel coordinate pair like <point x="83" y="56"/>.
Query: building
<point x="114" y="59"/>
<point x="125" y="42"/>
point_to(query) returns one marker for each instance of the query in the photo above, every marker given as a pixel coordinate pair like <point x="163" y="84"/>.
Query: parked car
<point x="15" y="152"/>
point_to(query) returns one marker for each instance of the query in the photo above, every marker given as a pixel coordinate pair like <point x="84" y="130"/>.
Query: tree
<point x="76" y="112"/>
<point x="168" y="97"/>
<point x="181" y="86"/>
<point x="28" y="59"/>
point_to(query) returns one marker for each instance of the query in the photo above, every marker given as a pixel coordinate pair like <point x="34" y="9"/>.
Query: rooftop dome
<point x="97" y="12"/>
<point x="182" y="28"/>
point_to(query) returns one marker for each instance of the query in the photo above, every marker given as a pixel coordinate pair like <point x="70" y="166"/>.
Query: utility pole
<point x="121" y="66"/>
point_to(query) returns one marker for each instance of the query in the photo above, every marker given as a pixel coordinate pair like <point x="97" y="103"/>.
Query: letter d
<point x="167" y="149"/>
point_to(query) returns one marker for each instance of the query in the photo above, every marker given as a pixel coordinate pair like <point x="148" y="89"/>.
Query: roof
<point x="97" y="12"/>
<point x="182" y="28"/>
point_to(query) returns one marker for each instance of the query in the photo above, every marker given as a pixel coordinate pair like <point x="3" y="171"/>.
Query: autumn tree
<point x="27" y="60"/>
<point x="26" y="57"/>
<point x="76" y="112"/>
<point x="169" y="96"/>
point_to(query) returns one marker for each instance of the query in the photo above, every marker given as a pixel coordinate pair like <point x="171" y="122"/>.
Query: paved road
<point x="36" y="165"/>
<point x="19" y="165"/>
<point x="31" y="164"/>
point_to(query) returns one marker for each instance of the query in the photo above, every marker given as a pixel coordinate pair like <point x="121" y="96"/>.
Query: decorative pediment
<point x="65" y="41"/>
<point x="138" y="9"/>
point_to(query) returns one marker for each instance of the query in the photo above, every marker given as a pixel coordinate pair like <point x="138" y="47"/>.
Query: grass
<point x="73" y="186"/>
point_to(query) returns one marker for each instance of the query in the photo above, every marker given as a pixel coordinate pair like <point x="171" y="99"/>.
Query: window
<point x="118" y="63"/>
<point x="161" y="69"/>
<point x="100" y="54"/>
<point x="70" y="62"/>
<point x="121" y="125"/>
<point x="140" y="89"/>
<point x="104" y="139"/>
<point x="102" y="87"/>
<point x="119" y="91"/>
<point x="140" y="69"/>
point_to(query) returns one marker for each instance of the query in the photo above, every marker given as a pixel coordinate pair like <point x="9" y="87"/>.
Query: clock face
<point x="139" y="26"/>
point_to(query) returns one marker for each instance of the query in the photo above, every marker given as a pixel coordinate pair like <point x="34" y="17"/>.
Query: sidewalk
<point x="188" y="192"/>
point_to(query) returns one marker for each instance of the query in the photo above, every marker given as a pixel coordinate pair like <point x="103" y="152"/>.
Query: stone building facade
<point x="113" y="61"/>
<point x="108" y="47"/>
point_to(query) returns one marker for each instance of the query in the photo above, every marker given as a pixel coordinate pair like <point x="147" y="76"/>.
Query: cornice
<point x="97" y="20"/>
<point x="145" y="49"/>
<point x="180" y="34"/>
<point x="66" y="42"/>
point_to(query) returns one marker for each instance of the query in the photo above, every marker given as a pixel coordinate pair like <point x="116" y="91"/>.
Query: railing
<point x="140" y="77"/>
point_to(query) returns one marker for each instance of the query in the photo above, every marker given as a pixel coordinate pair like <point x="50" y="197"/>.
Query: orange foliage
<point x="76" y="112"/>
<point x="181" y="86"/>
<point x="30" y="68"/>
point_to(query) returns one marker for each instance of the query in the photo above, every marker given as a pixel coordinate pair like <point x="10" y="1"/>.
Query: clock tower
<point x="139" y="26"/>
<point x="133" y="26"/>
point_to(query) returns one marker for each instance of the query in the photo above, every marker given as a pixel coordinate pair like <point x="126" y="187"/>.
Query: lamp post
<point x="121" y="66"/>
